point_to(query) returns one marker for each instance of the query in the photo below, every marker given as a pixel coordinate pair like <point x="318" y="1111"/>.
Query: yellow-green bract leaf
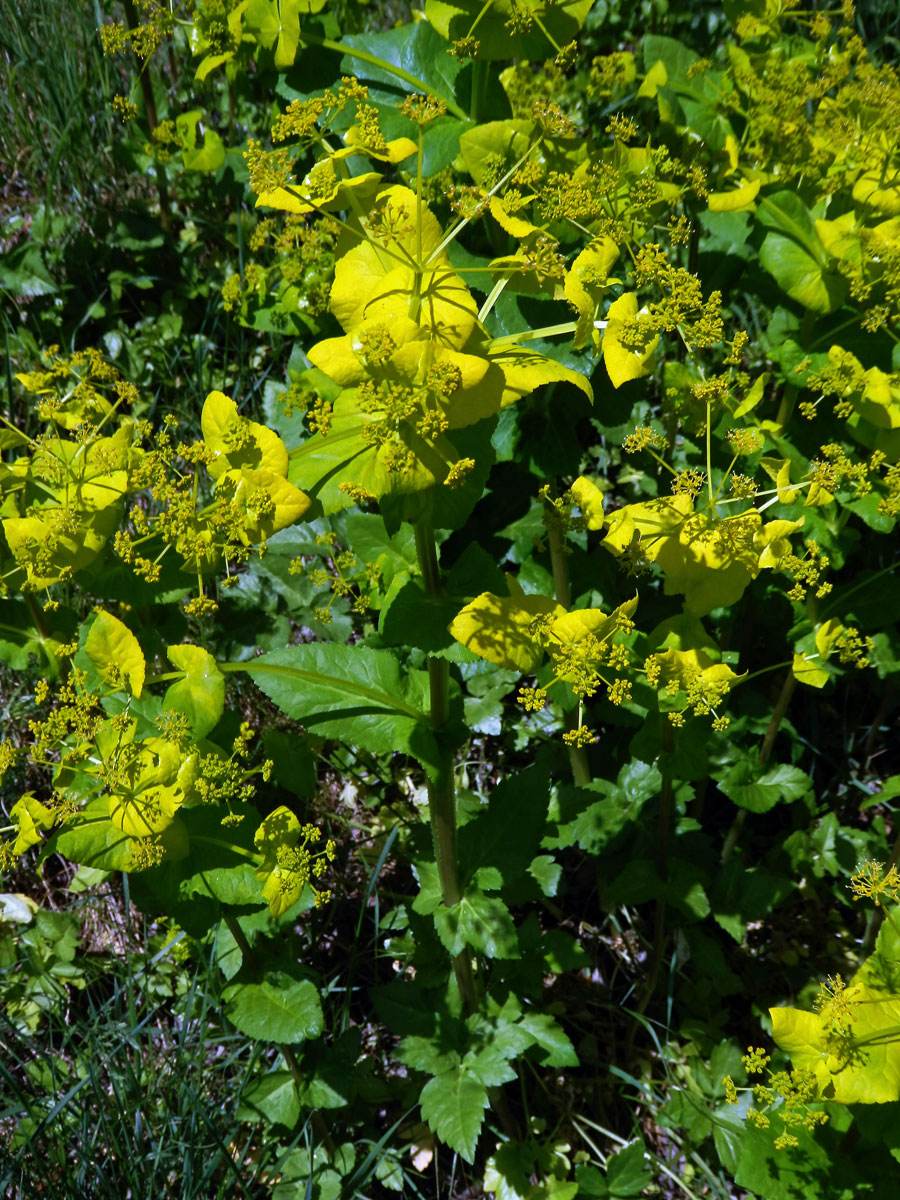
<point x="655" y="78"/>
<point x="622" y="363"/>
<point x="809" y="666"/>
<point x="738" y="199"/>
<point x="312" y="196"/>
<point x="47" y="554"/>
<point x="498" y="628"/>
<point x="855" y="1061"/>
<point x="880" y="401"/>
<point x="283" y="885"/>
<point x="840" y="237"/>
<point x="238" y="442"/>
<point x="347" y="455"/>
<point x="553" y="24"/>
<point x="394" y="151"/>
<point x="115" y="652"/>
<point x="268" y="501"/>
<point x="525" y="370"/>
<point x="31" y="818"/>
<point x="509" y="222"/>
<point x="879" y="189"/>
<point x="200" y="695"/>
<point x="586" y="283"/>
<point x="652" y="521"/>
<point x="146" y="791"/>
<point x="210" y="154"/>
<point x="589" y="499"/>
<point x="753" y="397"/>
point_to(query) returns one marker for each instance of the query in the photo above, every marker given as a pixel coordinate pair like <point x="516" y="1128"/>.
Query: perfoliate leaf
<point x="587" y="282"/>
<point x="852" y="1044"/>
<point x="238" y="442"/>
<point x="116" y="653"/>
<point x="589" y="499"/>
<point x="200" y="695"/>
<point x="498" y="628"/>
<point x="622" y="362"/>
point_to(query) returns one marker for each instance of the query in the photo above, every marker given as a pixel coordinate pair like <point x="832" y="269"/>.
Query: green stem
<point x="252" y="963"/>
<point x="790" y="394"/>
<point x="312" y="39"/>
<point x="162" y="186"/>
<point x="441" y="785"/>
<point x="663" y="832"/>
<point x="480" y="78"/>
<point x="578" y="759"/>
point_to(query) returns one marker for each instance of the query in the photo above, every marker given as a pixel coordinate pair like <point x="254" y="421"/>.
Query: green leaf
<point x="453" y="1104"/>
<point x="779" y="783"/>
<point x="93" y="839"/>
<point x="626" y="1171"/>
<point x="794" y="255"/>
<point x="561" y="20"/>
<point x="351" y="693"/>
<point x="200" y="695"/>
<point x="547" y="1033"/>
<point x="273" y="1099"/>
<point x="279" y="1009"/>
<point x="115" y="652"/>
<point x="482" y="923"/>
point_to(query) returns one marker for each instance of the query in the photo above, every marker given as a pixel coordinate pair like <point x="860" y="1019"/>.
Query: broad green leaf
<point x="352" y="693"/>
<point x="499" y="628"/>
<point x="453" y="1104"/>
<point x="626" y="1171"/>
<point x="622" y="362"/>
<point x="481" y="923"/>
<point x="782" y="782"/>
<point x="548" y="1034"/>
<point x="93" y="839"/>
<point x="116" y="653"/>
<point x="794" y="255"/>
<point x="455" y="19"/>
<point x="279" y="1009"/>
<point x="200" y="695"/>
<point x="272" y="1099"/>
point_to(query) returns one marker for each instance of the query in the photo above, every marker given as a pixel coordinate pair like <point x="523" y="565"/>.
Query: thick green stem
<point x="480" y="77"/>
<point x="578" y="759"/>
<point x="441" y="787"/>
